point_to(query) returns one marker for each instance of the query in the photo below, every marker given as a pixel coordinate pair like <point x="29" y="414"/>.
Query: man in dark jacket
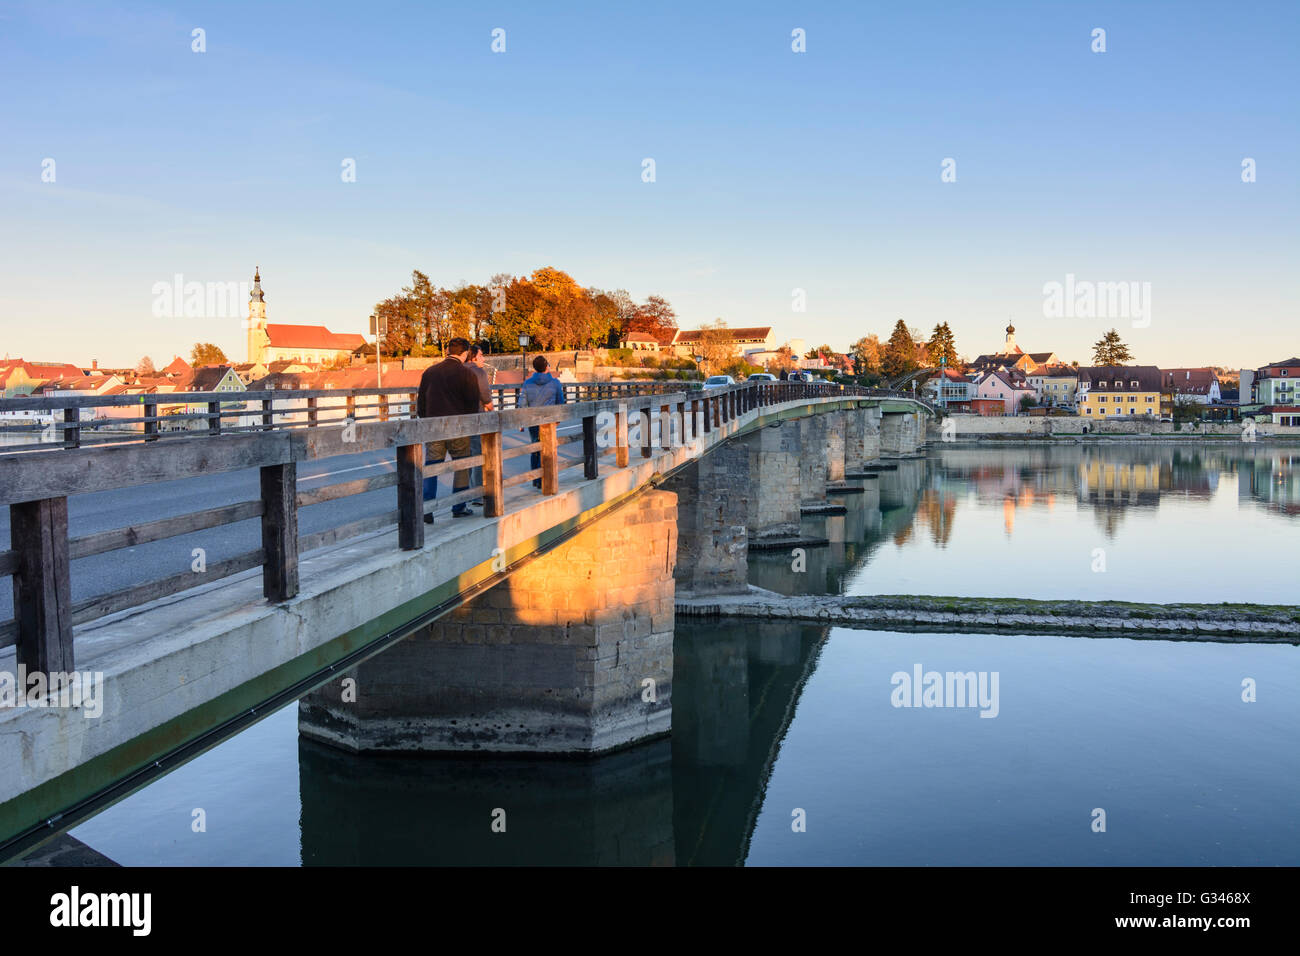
<point x="474" y="362"/>
<point x="448" y="388"/>
<point x="539" y="389"/>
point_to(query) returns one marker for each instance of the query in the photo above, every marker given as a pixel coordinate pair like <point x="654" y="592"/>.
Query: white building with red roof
<point x="309" y="344"/>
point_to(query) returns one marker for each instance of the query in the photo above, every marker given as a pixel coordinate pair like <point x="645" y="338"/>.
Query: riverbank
<point x="1232" y="622"/>
<point x="996" y="441"/>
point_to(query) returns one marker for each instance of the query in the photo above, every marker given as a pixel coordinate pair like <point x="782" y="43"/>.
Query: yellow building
<point x="1119" y="391"/>
<point x="1055" y="385"/>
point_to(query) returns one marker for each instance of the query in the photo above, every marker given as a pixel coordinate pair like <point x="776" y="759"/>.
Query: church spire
<point x="256" y="295"/>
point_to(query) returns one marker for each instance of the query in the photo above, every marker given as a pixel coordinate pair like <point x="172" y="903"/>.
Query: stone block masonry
<point x="814" y="432"/>
<point x="713" y="502"/>
<point x="551" y="660"/>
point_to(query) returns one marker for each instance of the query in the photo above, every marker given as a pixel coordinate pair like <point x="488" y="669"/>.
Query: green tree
<point x="1109" y="350"/>
<point x="715" y="347"/>
<point x="943" y="346"/>
<point x="899" y="357"/>
<point x="866" y="354"/>
<point x="205" y="353"/>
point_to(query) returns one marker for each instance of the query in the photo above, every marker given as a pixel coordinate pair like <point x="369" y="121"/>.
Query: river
<point x="790" y="744"/>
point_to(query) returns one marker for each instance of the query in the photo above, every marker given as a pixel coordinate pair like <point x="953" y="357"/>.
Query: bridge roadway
<point x="127" y="507"/>
<point x="192" y="665"/>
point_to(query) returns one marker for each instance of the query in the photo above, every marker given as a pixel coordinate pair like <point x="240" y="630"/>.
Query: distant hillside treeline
<point x="548" y="306"/>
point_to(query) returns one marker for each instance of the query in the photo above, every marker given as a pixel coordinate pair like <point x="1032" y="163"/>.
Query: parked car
<point x="761" y="377"/>
<point x="718" y="381"/>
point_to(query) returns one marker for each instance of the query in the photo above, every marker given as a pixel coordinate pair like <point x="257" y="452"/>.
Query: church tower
<point x="258" y="340"/>
<point x="1011" y="339"/>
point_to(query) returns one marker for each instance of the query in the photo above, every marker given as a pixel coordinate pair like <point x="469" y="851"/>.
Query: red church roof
<point x="311" y="337"/>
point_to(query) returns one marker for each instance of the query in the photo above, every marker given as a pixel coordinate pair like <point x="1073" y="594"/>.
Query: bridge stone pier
<point x="901" y="434"/>
<point x="554" y="659"/>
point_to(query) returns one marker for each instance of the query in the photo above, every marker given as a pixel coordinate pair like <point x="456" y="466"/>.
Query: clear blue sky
<point x="775" y="170"/>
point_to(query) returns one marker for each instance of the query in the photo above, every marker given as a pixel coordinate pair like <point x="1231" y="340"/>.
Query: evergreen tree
<point x="1109" y="350"/>
<point x="899" y="356"/>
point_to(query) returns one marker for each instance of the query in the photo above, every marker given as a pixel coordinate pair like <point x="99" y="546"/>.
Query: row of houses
<point x="1268" y="394"/>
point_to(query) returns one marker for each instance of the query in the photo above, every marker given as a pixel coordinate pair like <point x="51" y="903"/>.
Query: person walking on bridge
<point x="539" y="389"/>
<point x="478" y="366"/>
<point x="449" y="388"/>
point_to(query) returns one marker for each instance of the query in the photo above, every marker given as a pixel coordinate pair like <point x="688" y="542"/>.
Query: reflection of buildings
<point x="923" y="498"/>
<point x="1273" y="479"/>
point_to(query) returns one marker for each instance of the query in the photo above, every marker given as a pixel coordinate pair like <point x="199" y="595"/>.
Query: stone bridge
<point x="543" y="626"/>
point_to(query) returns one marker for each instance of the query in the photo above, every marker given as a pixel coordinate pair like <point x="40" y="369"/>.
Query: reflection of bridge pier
<point x="367" y="810"/>
<point x="693" y="799"/>
<point x="722" y="761"/>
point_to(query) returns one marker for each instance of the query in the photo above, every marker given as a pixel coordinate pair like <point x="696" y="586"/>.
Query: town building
<point x="950" y="390"/>
<point x="1054" y="385"/>
<point x="1113" y="391"/>
<point x="1200" y="385"/>
<point x="686" y="342"/>
<point x="310" y="344"/>
<point x="1012" y="358"/>
<point x="1274" y="392"/>
<point x="641" y="342"/>
<point x="1007" y="387"/>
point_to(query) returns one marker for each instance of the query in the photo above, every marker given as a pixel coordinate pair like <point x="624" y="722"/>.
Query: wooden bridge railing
<point x="36" y="487"/>
<point x="79" y="421"/>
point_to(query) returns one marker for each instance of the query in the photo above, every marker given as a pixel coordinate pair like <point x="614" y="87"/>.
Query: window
<point x="1133" y="384"/>
<point x="1101" y="384"/>
<point x="1101" y="398"/>
<point x="1132" y="398"/>
<point x="1150" y="399"/>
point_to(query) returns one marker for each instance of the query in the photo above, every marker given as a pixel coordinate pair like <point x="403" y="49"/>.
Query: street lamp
<point x="523" y="347"/>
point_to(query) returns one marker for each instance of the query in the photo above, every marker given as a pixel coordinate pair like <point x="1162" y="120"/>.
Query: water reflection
<point x="1166" y="522"/>
<point x="690" y="800"/>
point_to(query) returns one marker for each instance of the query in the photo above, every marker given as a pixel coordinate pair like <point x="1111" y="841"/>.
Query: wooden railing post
<point x="494" y="499"/>
<point x="313" y="411"/>
<point x="280" y="531"/>
<point x="647" y="429"/>
<point x="410" y="497"/>
<point x="214" y="418"/>
<point x="620" y="437"/>
<point x="38" y="535"/>
<point x="268" y="413"/>
<point x="550" y="458"/>
<point x="590" y="463"/>
<point x="151" y="428"/>
<point x="72" y="435"/>
<point x="350" y="409"/>
<point x="383" y="408"/>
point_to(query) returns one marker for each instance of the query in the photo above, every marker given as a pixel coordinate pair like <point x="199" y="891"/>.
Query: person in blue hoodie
<point x="539" y="389"/>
